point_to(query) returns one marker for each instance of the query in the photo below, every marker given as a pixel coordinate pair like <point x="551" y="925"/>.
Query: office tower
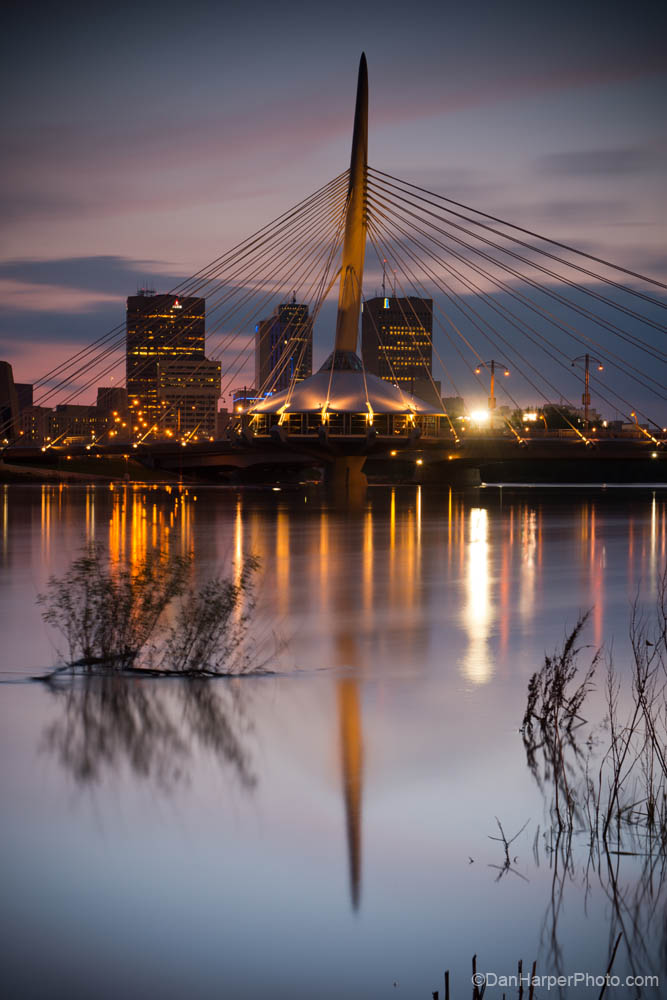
<point x="396" y="339"/>
<point x="283" y="348"/>
<point x="166" y="363"/>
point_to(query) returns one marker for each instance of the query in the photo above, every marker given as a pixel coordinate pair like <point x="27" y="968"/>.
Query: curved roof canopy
<point x="340" y="386"/>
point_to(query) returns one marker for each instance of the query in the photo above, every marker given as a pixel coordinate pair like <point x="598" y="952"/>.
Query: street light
<point x="586" y="397"/>
<point x="491" y="365"/>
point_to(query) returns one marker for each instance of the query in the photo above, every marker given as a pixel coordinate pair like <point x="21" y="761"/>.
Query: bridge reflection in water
<point x="413" y="582"/>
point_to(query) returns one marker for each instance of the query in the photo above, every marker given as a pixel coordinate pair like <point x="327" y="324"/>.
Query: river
<point x="324" y="829"/>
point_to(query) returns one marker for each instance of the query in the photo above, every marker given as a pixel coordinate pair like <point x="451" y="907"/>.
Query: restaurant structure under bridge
<point x="343" y="400"/>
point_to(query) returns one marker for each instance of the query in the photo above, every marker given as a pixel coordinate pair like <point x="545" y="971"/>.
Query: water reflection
<point x="159" y="517"/>
<point x="5" y="522"/>
<point x="634" y="885"/>
<point x="528" y="556"/>
<point x="348" y="697"/>
<point x="47" y="494"/>
<point x="351" y="747"/>
<point x="412" y="557"/>
<point x="478" y="611"/>
<point x="106" y="724"/>
<point x="603" y="831"/>
<point x="654" y="539"/>
<point x="414" y="624"/>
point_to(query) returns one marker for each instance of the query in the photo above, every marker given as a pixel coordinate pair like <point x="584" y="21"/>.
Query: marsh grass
<point x="552" y="721"/>
<point x="149" y="617"/>
<point x="615" y="781"/>
<point x="211" y="625"/>
<point x="605" y="783"/>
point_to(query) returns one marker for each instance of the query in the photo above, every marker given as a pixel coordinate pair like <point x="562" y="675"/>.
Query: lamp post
<point x="586" y="397"/>
<point x="491" y="365"/>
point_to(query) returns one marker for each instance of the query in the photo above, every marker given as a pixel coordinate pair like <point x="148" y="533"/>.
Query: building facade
<point x="244" y="397"/>
<point x="397" y="340"/>
<point x="112" y="414"/>
<point x="188" y="392"/>
<point x="283" y="348"/>
<point x="71" y="423"/>
<point x="166" y="365"/>
<point x="36" y="424"/>
<point x="9" y="404"/>
<point x="24" y="393"/>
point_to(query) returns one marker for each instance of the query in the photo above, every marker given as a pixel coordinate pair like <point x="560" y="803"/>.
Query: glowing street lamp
<point x="491" y="365"/>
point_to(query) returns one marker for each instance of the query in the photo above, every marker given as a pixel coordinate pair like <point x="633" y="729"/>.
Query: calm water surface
<point x="323" y="831"/>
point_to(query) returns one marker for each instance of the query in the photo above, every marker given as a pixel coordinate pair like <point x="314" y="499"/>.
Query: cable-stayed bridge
<point x="515" y="315"/>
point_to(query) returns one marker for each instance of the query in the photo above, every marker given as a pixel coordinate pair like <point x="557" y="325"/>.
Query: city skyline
<point x="570" y="143"/>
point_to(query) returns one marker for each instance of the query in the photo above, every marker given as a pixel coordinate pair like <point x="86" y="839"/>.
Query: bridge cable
<point x="544" y="239"/>
<point x="533" y="306"/>
<point x="576" y="333"/>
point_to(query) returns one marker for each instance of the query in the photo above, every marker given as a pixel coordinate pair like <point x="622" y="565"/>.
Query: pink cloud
<point x="50" y="298"/>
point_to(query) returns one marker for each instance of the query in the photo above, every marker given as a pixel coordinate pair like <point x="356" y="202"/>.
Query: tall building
<point x="24" y="393"/>
<point x="9" y="404"/>
<point x="397" y="339"/>
<point x="283" y="348"/>
<point x="166" y="364"/>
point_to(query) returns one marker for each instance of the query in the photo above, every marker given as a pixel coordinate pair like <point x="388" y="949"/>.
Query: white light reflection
<point x="238" y="543"/>
<point x="90" y="514"/>
<point x="477" y="613"/>
<point x="46" y="523"/>
<point x="5" y="524"/>
<point x="528" y="553"/>
<point x="283" y="561"/>
<point x="653" y="549"/>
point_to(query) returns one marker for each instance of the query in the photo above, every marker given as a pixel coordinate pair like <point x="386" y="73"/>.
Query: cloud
<point x="458" y="183"/>
<point x="622" y="161"/>
<point x="119" y="165"/>
<point x="25" y="331"/>
<point x="652" y="263"/>
<point x="98" y="278"/>
<point x="564" y="210"/>
<point x="21" y="295"/>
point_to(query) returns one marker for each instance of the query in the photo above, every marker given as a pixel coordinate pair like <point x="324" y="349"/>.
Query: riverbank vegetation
<point x="605" y="784"/>
<point x="610" y="776"/>
<point x="151" y="616"/>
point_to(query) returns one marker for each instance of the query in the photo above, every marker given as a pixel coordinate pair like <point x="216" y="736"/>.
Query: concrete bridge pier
<point x="447" y="473"/>
<point x="344" y="475"/>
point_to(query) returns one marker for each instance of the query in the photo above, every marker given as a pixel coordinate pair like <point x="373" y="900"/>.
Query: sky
<point x="141" y="141"/>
